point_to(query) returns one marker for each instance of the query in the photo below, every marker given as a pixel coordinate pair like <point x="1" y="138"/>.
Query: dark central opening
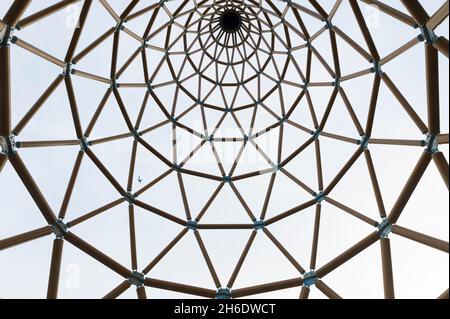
<point x="230" y="21"/>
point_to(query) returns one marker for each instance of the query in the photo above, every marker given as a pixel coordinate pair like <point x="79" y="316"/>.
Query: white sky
<point x="420" y="272"/>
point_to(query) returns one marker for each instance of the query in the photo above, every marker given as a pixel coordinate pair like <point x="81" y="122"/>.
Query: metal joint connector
<point x="114" y="84"/>
<point x="120" y="26"/>
<point x="192" y="225"/>
<point x="227" y="179"/>
<point x="85" y="144"/>
<point x="136" y="134"/>
<point x="432" y="144"/>
<point x="8" y="145"/>
<point x="310" y="279"/>
<point x="427" y="34"/>
<point x="130" y="198"/>
<point x="320" y="197"/>
<point x="59" y="228"/>
<point x="377" y="68"/>
<point x="316" y="134"/>
<point x="224" y="294"/>
<point x="6" y="34"/>
<point x="136" y="279"/>
<point x="384" y="228"/>
<point x="259" y="225"/>
<point x="364" y="143"/>
<point x="67" y="70"/>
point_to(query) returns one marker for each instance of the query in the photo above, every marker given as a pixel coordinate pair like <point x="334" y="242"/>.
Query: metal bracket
<point x="85" y="144"/>
<point x="120" y="25"/>
<point x="427" y="34"/>
<point x="364" y="143"/>
<point x="377" y="68"/>
<point x="276" y="167"/>
<point x="224" y="294"/>
<point x="337" y="82"/>
<point x="384" y="228"/>
<point x="320" y="197"/>
<point x="432" y="144"/>
<point x="59" y="228"/>
<point x="316" y="134"/>
<point x="136" y="279"/>
<point x="258" y="102"/>
<point x="192" y="225"/>
<point x="283" y="120"/>
<point x="173" y="120"/>
<point x="136" y="134"/>
<point x="227" y="179"/>
<point x="114" y="84"/>
<point x="259" y="225"/>
<point x="310" y="279"/>
<point x="130" y="198"/>
<point x="328" y="25"/>
<point x="67" y="70"/>
<point x="8" y="145"/>
<point x="306" y="86"/>
<point x="6" y="34"/>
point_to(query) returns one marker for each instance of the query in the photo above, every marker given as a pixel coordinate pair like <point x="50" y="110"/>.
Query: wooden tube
<point x="116" y="292"/>
<point x="55" y="268"/>
<point x="388" y="277"/>
<point x="25" y="237"/>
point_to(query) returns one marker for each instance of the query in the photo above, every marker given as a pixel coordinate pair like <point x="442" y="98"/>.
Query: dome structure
<point x="224" y="149"/>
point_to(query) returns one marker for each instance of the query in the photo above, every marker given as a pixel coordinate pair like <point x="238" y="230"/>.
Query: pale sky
<point x="419" y="271"/>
